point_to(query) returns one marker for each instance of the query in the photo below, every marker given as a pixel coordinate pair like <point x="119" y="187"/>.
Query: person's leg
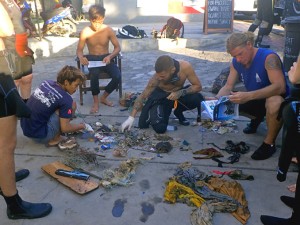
<point x="267" y="149"/>
<point x="95" y="89"/>
<point x="24" y="85"/>
<point x="291" y="139"/>
<point x="7" y="145"/>
<point x="256" y="110"/>
<point x="115" y="75"/>
<point x="258" y="17"/>
<point x="159" y="116"/>
<point x="266" y="24"/>
<point x="16" y="207"/>
<point x="188" y="102"/>
<point x="10" y="98"/>
<point x="274" y="126"/>
<point x="53" y="137"/>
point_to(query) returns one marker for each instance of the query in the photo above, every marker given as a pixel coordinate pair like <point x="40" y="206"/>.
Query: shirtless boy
<point x="97" y="37"/>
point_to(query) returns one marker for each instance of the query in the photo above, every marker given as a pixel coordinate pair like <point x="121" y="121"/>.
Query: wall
<point x="149" y="11"/>
<point x="141" y="11"/>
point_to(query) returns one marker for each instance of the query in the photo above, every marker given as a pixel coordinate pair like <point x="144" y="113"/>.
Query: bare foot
<point x="54" y="142"/>
<point x="292" y="188"/>
<point x="294" y="160"/>
<point x="106" y="102"/>
<point x="94" y="109"/>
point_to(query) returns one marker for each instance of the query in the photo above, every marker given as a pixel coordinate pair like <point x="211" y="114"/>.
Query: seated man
<point x="165" y="87"/>
<point x="51" y="108"/>
<point x="262" y="73"/>
<point x="97" y="37"/>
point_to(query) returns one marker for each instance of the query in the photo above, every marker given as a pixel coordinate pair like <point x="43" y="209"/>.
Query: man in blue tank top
<point x="262" y="73"/>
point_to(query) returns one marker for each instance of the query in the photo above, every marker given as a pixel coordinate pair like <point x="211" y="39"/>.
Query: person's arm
<point x="67" y="127"/>
<point x="15" y="14"/>
<point x="114" y="40"/>
<point x="138" y="103"/>
<point x="6" y="26"/>
<point x="191" y="76"/>
<point x="196" y="85"/>
<point x="294" y="73"/>
<point x="277" y="86"/>
<point x="80" y="47"/>
<point x="229" y="85"/>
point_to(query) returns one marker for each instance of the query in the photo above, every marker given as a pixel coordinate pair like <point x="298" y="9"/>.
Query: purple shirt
<point x="44" y="101"/>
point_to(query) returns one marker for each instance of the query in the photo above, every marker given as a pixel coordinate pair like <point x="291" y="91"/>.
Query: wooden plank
<point x="79" y="186"/>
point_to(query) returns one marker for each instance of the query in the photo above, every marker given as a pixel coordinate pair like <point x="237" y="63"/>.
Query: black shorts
<point x="7" y="85"/>
<point x="255" y="108"/>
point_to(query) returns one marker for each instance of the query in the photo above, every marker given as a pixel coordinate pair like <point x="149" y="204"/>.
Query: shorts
<point x="53" y="128"/>
<point x="255" y="108"/>
<point x="18" y="67"/>
<point x="7" y="87"/>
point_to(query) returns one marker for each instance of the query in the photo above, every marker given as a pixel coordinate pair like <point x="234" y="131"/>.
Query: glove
<point x="281" y="176"/>
<point x="22" y="45"/>
<point x="127" y="124"/>
<point x="88" y="128"/>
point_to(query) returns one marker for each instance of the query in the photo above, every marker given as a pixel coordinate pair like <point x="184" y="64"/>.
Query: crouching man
<point x="164" y="91"/>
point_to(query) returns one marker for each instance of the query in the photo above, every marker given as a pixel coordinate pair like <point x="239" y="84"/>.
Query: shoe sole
<point x="61" y="147"/>
<point x="17" y="217"/>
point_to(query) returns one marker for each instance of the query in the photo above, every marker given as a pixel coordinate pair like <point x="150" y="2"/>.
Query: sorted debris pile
<point x="220" y="127"/>
<point x="122" y="175"/>
<point x="208" y="193"/>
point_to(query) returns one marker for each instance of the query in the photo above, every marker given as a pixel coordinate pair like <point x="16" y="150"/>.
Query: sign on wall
<point x="218" y="16"/>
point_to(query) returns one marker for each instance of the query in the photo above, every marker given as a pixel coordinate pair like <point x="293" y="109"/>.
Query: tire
<point x="67" y="27"/>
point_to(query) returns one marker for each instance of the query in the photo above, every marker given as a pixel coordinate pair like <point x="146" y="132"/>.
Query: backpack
<point x="221" y="80"/>
<point x="131" y="32"/>
<point x="172" y="28"/>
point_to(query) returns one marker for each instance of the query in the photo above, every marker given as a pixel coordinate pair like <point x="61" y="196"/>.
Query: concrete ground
<point x="143" y="200"/>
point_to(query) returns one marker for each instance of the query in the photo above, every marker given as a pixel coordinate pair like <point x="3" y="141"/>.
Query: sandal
<point x="67" y="144"/>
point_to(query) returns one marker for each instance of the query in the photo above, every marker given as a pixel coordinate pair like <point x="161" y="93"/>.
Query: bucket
<point x="292" y="41"/>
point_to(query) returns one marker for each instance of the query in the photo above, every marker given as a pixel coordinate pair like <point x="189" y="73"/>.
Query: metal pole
<point x="37" y="17"/>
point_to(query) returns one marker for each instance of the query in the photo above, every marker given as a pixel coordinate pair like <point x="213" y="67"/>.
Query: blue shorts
<point x="53" y="128"/>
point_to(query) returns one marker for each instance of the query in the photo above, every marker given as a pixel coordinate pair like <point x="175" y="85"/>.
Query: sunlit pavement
<point x="147" y="189"/>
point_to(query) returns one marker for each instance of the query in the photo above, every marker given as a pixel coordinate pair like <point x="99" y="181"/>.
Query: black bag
<point x="131" y="32"/>
<point x="172" y="28"/>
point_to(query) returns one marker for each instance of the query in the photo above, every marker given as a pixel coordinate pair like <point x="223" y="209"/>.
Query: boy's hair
<point x="70" y="74"/>
<point x="96" y="12"/>
<point x="164" y="63"/>
<point x="239" y="39"/>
